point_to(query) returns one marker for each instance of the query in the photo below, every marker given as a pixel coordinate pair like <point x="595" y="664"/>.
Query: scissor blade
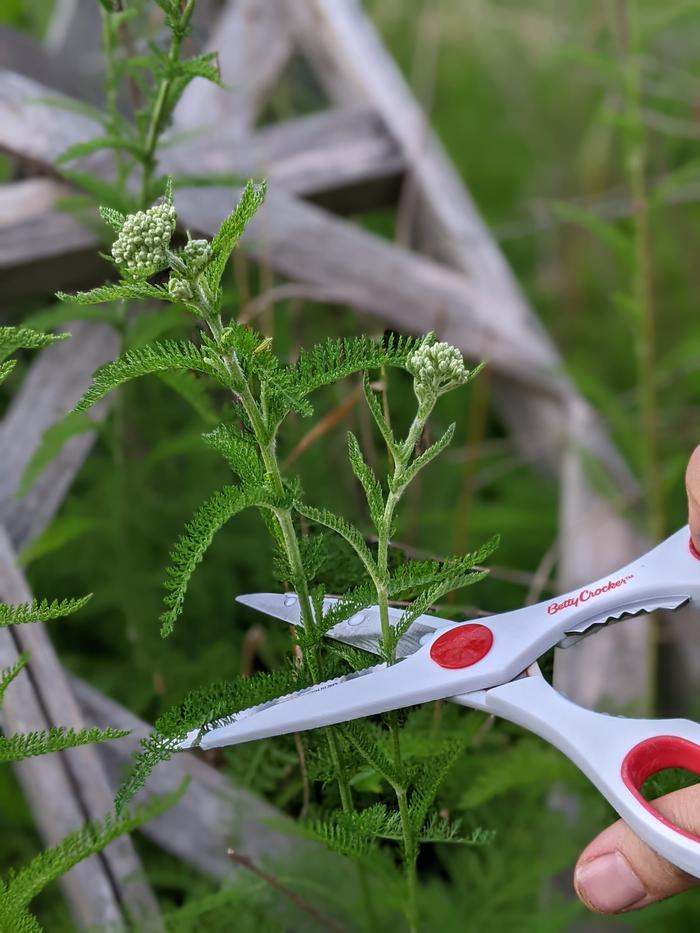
<point x="362" y="630"/>
<point x="375" y="690"/>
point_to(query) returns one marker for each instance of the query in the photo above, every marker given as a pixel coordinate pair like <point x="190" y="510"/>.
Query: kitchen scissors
<point x="491" y="665"/>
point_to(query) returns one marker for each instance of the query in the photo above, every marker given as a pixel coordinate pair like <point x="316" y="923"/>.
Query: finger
<point x="692" y="485"/>
<point x="618" y="872"/>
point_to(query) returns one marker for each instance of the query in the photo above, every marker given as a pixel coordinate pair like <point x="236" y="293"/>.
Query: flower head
<point x="143" y="240"/>
<point x="436" y="368"/>
<point x="178" y="288"/>
<point x="196" y="254"/>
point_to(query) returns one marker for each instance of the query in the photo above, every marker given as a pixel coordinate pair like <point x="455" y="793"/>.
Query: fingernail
<point x="608" y="884"/>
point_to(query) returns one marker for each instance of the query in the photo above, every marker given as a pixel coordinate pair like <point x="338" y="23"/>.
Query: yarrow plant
<point x="263" y="392"/>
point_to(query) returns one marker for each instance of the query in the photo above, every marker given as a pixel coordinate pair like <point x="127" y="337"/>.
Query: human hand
<point x="617" y="871"/>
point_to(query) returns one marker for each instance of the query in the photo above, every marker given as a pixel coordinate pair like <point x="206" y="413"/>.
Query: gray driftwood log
<point x="66" y="788"/>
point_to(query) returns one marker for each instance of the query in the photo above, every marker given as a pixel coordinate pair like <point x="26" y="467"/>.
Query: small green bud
<point x="179" y="288"/>
<point x="436" y="368"/>
<point x="197" y="254"/>
<point x="143" y="240"/>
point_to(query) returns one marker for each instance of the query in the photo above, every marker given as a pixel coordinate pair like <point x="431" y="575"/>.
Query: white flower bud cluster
<point x="436" y="368"/>
<point x="143" y="240"/>
<point x="196" y="254"/>
<point x="178" y="288"/>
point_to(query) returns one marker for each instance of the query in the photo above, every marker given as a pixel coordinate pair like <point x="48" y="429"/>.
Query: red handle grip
<point x="656" y="754"/>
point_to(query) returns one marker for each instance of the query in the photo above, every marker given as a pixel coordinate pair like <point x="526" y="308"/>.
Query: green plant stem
<point x="154" y="124"/>
<point x="111" y="86"/>
<point x="284" y="519"/>
<point x="409" y="845"/>
<point x="635" y="164"/>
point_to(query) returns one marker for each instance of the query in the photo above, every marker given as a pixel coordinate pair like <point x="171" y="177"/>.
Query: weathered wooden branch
<point x="253" y="48"/>
<point x="305" y="242"/>
<point x="67" y="788"/>
<point x="341" y="159"/>
<point x="51" y="388"/>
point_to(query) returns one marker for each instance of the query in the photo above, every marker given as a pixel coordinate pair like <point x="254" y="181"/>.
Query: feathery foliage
<point x="9" y="673"/>
<point x="25" y="338"/>
<point x="40" y="610"/>
<point x="51" y="444"/>
<point x="334" y="359"/>
<point x="6" y="368"/>
<point x="190" y="549"/>
<point x="124" y="291"/>
<point x="344" y="529"/>
<point x="29" y="745"/>
<point x="162" y="357"/>
<point x="232" y="229"/>
<point x="201" y="707"/>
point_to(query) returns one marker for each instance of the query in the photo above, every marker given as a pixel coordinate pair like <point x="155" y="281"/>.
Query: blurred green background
<point x="529" y="118"/>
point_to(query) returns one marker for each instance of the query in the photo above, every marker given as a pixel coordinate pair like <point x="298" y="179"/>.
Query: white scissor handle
<point x="616" y="754"/>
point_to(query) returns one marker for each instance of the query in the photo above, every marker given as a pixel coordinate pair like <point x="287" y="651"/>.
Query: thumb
<point x="618" y="872"/>
<point x="692" y="485"/>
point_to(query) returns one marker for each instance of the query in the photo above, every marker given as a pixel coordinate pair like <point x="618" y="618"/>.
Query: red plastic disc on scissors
<point x="462" y="647"/>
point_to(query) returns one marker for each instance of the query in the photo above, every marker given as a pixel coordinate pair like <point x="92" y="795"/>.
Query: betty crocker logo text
<point x="584" y="595"/>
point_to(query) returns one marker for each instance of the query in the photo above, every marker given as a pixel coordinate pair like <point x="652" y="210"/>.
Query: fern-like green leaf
<point x="88" y="146"/>
<point x="30" y="744"/>
<point x="425" y="600"/>
<point x="335" y="359"/>
<point x="351" y="602"/>
<point x="378" y="415"/>
<point x="450" y="575"/>
<point x="120" y="291"/>
<point x="424" y="459"/>
<point x="25" y="338"/>
<point x="15" y="917"/>
<point x="6" y="368"/>
<point x="239" y="450"/>
<point x="164" y="356"/>
<point x="205" y="66"/>
<point x="51" y="444"/>
<point x="370" y="483"/>
<point x="362" y="735"/>
<point x="429" y="780"/>
<point x="349" y="833"/>
<point x="113" y="219"/>
<point x="355" y="659"/>
<point x="198" y="535"/>
<point x="438" y="829"/>
<point x="232" y="229"/>
<point x="345" y="530"/>
<point x="413" y="575"/>
<point x="209" y="704"/>
<point x="9" y="673"/>
<point x="40" y="610"/>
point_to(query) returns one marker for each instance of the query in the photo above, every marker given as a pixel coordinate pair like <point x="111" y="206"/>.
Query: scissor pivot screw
<point x="462" y="646"/>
